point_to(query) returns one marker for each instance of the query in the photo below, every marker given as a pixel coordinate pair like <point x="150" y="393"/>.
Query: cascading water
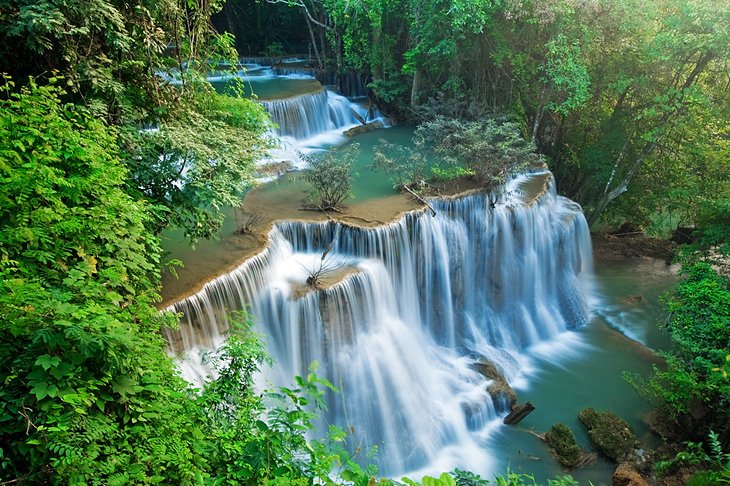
<point x="307" y="115"/>
<point x="416" y="304"/>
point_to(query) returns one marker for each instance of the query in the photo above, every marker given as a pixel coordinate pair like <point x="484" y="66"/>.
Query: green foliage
<point x="114" y="58"/>
<point x="445" y="174"/>
<point x="692" y="393"/>
<point x="88" y="394"/>
<point x="197" y="165"/>
<point x="275" y="49"/>
<point x="567" y="74"/>
<point x="627" y="100"/>
<point x="488" y="148"/>
<point x="254" y="440"/>
<point x="406" y="166"/>
<point x="330" y="176"/>
<point x="712" y="466"/>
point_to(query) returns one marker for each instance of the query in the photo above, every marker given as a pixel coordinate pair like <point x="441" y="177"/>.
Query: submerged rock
<point x="564" y="446"/>
<point x="611" y="435"/>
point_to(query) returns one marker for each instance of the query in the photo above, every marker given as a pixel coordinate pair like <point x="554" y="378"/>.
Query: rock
<point x="633" y="299"/>
<point x="611" y="435"/>
<point x="564" y="446"/>
<point x="499" y="389"/>
<point x="627" y="475"/>
<point x="683" y="235"/>
<point x="368" y="127"/>
<point x="627" y="229"/>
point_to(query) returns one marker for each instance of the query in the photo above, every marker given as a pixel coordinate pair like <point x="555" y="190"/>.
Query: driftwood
<point x="519" y="412"/>
<point x="433" y="211"/>
<point x="359" y="118"/>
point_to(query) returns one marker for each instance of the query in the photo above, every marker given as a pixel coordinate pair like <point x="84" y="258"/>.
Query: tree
<point x="330" y="177"/>
<point x="116" y="58"/>
<point x="406" y="166"/>
<point x="194" y="166"/>
<point x="88" y="393"/>
<point x="490" y="148"/>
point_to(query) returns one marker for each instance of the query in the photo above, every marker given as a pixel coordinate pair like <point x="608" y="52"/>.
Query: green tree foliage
<point x="330" y="176"/>
<point x="490" y="148"/>
<point x="115" y="58"/>
<point x="197" y="164"/>
<point x="627" y="100"/>
<point x="486" y="148"/>
<point x="88" y="393"/>
<point x="692" y="393"/>
<point x="406" y="166"/>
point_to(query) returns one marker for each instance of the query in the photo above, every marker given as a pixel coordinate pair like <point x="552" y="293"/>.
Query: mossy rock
<point x="611" y="435"/>
<point x="564" y="446"/>
<point x="499" y="389"/>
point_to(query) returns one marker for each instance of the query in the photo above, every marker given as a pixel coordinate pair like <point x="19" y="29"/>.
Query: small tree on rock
<point x="330" y="177"/>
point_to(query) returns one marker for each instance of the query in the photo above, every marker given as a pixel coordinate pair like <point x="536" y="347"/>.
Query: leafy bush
<point x="406" y="166"/>
<point x="197" y="165"/>
<point x="487" y="147"/>
<point x="88" y="395"/>
<point x="330" y="177"/>
<point x="691" y="393"/>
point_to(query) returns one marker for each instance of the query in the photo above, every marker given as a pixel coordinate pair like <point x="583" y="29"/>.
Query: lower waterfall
<point x="414" y="304"/>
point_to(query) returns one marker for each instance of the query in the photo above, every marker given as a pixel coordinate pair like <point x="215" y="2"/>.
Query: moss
<point x="564" y="446"/>
<point x="611" y="435"/>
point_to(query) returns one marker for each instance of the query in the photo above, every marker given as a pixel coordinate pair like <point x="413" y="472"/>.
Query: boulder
<point x="627" y="475"/>
<point x="499" y="389"/>
<point x="611" y="435"/>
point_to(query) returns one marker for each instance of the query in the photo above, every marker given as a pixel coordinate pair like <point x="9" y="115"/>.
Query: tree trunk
<point x="415" y="87"/>
<point x="313" y="39"/>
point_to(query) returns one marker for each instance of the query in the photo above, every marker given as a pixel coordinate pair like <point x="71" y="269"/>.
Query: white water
<point x="310" y="122"/>
<point x="430" y="296"/>
<point x="307" y="115"/>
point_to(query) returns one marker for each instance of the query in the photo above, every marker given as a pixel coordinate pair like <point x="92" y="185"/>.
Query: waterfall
<point x="413" y="304"/>
<point x="310" y="114"/>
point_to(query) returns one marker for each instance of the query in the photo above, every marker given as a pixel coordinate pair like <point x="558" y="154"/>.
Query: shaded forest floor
<point x="607" y="246"/>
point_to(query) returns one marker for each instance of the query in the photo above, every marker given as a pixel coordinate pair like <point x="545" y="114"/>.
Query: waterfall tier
<point x="428" y="297"/>
<point x="310" y="114"/>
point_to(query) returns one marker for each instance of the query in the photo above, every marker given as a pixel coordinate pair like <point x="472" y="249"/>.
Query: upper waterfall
<point x="426" y="297"/>
<point x="310" y="114"/>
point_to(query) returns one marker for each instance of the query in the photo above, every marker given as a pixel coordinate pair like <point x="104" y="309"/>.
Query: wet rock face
<point x="500" y="390"/>
<point x="564" y="446"/>
<point x="611" y="435"/>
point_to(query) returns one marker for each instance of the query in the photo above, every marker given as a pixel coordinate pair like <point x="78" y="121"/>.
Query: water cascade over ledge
<point x="310" y="114"/>
<point x="414" y="305"/>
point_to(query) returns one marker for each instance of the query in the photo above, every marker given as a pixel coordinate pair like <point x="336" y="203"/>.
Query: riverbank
<point x="611" y="246"/>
